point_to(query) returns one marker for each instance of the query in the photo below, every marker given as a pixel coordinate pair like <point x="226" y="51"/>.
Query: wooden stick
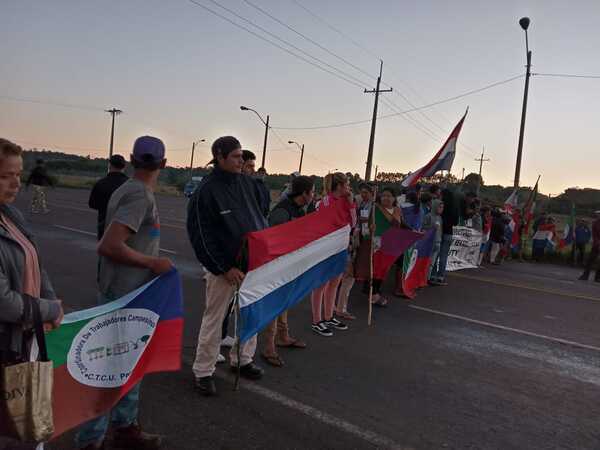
<point x="236" y="305"/>
<point x="371" y="248"/>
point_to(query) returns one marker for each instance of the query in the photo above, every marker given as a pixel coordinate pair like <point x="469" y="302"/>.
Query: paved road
<point x="503" y="358"/>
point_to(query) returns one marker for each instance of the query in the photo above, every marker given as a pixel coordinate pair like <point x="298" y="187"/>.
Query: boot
<point x="398" y="291"/>
<point x="133" y="438"/>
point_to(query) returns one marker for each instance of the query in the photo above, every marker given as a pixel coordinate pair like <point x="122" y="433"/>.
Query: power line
<point x="51" y="103"/>
<point x="357" y="83"/>
<point x="565" y="75"/>
<point x="399" y="113"/>
<point x="312" y="41"/>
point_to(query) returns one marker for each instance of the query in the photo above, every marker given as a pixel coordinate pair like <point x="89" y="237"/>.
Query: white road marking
<point x="87" y="233"/>
<point x="502" y="327"/>
<point x="369" y="436"/>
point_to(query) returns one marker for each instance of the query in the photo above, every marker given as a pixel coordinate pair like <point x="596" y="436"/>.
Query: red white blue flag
<point x="416" y="264"/>
<point x="288" y="261"/>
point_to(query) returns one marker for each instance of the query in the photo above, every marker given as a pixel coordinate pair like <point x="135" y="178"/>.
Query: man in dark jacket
<point x="222" y="210"/>
<point x="583" y="235"/>
<point x="595" y="251"/>
<point x="40" y="179"/>
<point x="450" y="217"/>
<point x="105" y="187"/>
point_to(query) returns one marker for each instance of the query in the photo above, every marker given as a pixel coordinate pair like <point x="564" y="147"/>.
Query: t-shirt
<point x="134" y="206"/>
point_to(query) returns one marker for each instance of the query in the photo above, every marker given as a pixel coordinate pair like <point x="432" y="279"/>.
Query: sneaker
<point x="322" y="329"/>
<point x="334" y="323"/>
<point x="220" y="359"/>
<point x="132" y="437"/>
<point x="228" y="342"/>
<point x="584" y="277"/>
<point x="206" y="386"/>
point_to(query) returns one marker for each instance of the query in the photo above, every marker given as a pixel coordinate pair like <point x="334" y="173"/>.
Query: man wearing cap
<point x="224" y="207"/>
<point x="595" y="250"/>
<point x="129" y="259"/>
<point x="105" y="187"/>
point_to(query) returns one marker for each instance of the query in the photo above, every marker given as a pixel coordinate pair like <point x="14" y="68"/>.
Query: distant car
<point x="191" y="186"/>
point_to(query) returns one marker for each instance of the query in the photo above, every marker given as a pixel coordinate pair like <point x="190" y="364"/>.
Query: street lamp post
<point x="192" y="160"/>
<point x="266" y="123"/>
<point x="301" y="147"/>
<point x="524" y="22"/>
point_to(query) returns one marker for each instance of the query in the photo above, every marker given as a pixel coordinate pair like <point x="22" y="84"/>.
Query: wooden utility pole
<point x="376" y="91"/>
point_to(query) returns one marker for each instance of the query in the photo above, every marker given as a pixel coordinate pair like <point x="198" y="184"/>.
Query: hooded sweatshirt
<point x="434" y="220"/>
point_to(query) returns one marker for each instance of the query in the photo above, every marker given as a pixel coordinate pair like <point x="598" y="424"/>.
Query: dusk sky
<point x="181" y="73"/>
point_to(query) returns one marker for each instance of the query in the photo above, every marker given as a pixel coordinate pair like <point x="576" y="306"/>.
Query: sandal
<point x="381" y="302"/>
<point x="273" y="360"/>
<point x="345" y="315"/>
<point x="292" y="343"/>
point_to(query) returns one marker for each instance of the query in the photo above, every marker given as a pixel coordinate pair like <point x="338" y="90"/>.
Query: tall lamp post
<point x="301" y="147"/>
<point x="192" y="161"/>
<point x="524" y="22"/>
<point x="266" y="123"/>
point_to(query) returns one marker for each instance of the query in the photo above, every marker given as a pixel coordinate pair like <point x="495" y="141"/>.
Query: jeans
<point x="439" y="271"/>
<point x="590" y="263"/>
<point x="580" y="249"/>
<point x="122" y="415"/>
<point x="435" y="257"/>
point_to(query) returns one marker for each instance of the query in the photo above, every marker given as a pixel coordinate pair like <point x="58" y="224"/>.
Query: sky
<point x="181" y="73"/>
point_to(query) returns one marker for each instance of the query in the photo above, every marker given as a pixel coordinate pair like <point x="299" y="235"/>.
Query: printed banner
<point x="465" y="248"/>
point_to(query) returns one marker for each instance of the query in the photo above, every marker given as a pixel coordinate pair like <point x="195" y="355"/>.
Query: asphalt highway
<point x="503" y="358"/>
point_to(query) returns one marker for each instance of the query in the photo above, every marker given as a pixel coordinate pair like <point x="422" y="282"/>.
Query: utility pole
<point x="463" y="175"/>
<point x="113" y="112"/>
<point x="524" y="22"/>
<point x="301" y="158"/>
<point x="376" y="91"/>
<point x="265" y="143"/>
<point x="192" y="160"/>
<point x="481" y="161"/>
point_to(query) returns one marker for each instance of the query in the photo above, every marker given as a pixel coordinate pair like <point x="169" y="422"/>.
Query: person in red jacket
<point x="595" y="251"/>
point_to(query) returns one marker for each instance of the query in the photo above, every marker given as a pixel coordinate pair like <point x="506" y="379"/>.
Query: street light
<point x="524" y="22"/>
<point x="245" y="108"/>
<point x="301" y="154"/>
<point x="192" y="161"/>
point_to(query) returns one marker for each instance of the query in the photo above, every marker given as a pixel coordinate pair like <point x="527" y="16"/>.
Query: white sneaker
<point x="220" y="359"/>
<point x="228" y="342"/>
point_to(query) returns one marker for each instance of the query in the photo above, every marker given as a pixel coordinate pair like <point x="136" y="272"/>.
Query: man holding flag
<point x="129" y="259"/>
<point x="223" y="209"/>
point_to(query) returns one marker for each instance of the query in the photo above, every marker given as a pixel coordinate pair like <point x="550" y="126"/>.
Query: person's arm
<point x="13" y="305"/>
<point x="114" y="246"/>
<point x="94" y="201"/>
<point x="278" y="216"/>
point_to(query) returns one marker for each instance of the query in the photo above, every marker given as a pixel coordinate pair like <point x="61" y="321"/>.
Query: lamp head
<point x="290" y="142"/>
<point x="524" y="22"/>
<point x="243" y="108"/>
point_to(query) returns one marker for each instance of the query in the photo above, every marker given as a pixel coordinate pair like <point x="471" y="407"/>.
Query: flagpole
<point x="371" y="246"/>
<point x="236" y="304"/>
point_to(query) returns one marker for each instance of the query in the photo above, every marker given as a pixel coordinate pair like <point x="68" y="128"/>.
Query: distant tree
<point x="473" y="179"/>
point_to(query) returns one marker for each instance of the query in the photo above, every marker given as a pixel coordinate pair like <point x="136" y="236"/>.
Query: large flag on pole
<point x="416" y="264"/>
<point x="288" y="261"/>
<point x="100" y="353"/>
<point x="442" y="160"/>
<point x="511" y="203"/>
<point x="388" y="244"/>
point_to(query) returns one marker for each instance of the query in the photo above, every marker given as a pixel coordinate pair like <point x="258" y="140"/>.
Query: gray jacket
<point x="15" y="312"/>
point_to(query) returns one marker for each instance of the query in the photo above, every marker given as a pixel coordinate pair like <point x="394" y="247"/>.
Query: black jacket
<point x="264" y="196"/>
<point x="224" y="207"/>
<point x="285" y="211"/>
<point x="100" y="196"/>
<point x="39" y="177"/>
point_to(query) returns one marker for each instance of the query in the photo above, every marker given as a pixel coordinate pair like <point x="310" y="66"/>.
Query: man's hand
<point x="234" y="276"/>
<point x="161" y="265"/>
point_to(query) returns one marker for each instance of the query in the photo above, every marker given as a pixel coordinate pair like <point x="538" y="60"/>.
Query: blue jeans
<point x="435" y="258"/>
<point x="439" y="270"/>
<point x="124" y="413"/>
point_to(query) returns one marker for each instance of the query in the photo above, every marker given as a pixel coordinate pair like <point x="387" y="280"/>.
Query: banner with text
<point x="464" y="250"/>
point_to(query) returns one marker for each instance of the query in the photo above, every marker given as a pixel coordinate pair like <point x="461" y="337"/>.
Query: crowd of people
<point x="231" y="201"/>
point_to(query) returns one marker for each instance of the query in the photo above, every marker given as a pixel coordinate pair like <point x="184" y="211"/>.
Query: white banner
<point x="464" y="250"/>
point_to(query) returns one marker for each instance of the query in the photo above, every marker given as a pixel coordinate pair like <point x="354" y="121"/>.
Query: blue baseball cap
<point x="148" y="149"/>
